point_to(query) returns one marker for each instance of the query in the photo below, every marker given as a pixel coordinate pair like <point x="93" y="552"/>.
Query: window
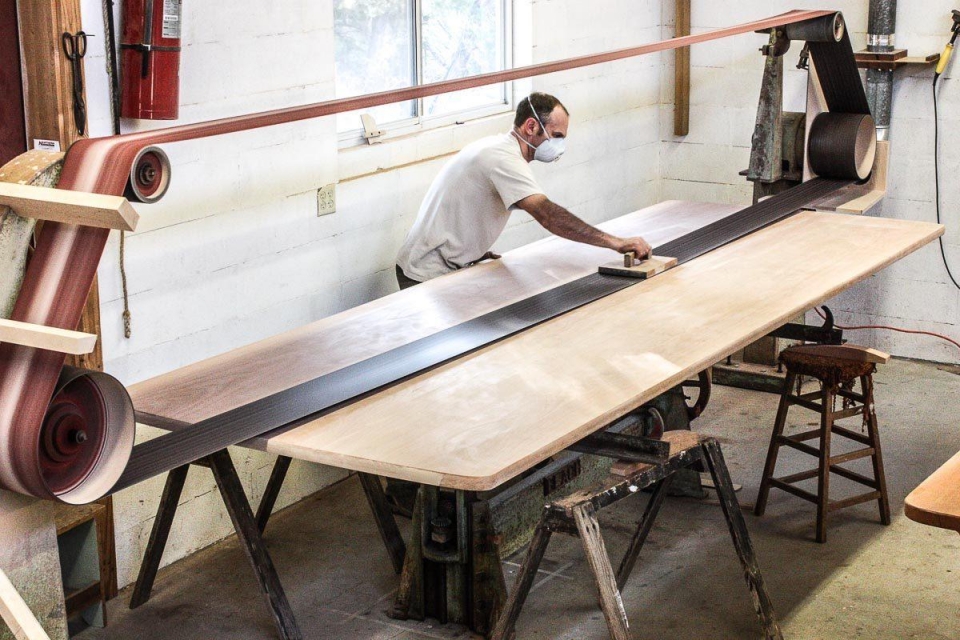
<point x="391" y="44"/>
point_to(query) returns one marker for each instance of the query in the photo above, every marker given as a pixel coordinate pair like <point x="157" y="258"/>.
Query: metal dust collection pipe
<point x="881" y="37"/>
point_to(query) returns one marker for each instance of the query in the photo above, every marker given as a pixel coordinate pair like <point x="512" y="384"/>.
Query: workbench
<point x="481" y="420"/>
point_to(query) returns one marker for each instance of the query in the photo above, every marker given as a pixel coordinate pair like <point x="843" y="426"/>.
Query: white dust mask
<point x="550" y="149"/>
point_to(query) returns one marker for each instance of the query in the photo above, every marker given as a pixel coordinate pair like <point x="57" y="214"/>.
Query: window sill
<point x="406" y="148"/>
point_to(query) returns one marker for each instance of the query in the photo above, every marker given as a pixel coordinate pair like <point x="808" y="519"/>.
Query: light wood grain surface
<point x="41" y="337"/>
<point x="72" y="207"/>
<point x="861" y="198"/>
<point x="478" y="421"/>
<point x="15" y="612"/>
<point x="852" y="352"/>
<point x="936" y="502"/>
<point x="233" y="379"/>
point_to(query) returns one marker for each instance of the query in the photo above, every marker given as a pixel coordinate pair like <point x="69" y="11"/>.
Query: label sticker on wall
<point x="46" y="145"/>
<point x="171" y="18"/>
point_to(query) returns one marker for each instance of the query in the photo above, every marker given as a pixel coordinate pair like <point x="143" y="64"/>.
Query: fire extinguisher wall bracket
<point x="150" y="59"/>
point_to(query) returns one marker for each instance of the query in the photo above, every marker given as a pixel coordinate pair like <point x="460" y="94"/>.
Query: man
<point x="469" y="203"/>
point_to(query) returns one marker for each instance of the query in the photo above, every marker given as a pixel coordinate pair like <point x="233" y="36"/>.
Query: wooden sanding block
<point x="630" y="267"/>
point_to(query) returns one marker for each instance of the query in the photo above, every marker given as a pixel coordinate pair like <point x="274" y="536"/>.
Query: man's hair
<point x="544" y="103"/>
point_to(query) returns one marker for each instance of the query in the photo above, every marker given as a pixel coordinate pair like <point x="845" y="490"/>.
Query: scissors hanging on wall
<point x="75" y="48"/>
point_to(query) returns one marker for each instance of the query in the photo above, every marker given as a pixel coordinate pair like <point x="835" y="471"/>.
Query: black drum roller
<point x="842" y="145"/>
<point x="826" y="29"/>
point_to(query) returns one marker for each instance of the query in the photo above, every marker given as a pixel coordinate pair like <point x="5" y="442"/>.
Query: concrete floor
<point x="868" y="581"/>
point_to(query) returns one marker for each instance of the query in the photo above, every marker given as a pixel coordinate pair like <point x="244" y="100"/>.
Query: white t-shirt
<point x="467" y="207"/>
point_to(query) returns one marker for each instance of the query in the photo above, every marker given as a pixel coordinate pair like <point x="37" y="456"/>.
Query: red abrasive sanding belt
<point x="59" y="276"/>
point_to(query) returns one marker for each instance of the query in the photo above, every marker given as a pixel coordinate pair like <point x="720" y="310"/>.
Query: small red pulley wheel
<point x="149" y="176"/>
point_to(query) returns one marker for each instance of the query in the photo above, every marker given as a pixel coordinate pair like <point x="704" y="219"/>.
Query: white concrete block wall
<point x="236" y="252"/>
<point x="916" y="293"/>
<point x="612" y="162"/>
<point x="725" y="85"/>
<point x="913" y="294"/>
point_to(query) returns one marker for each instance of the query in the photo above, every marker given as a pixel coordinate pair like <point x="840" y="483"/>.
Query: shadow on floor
<point x="867" y="581"/>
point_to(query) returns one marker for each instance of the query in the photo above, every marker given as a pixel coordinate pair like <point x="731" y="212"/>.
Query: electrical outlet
<point x="327" y="199"/>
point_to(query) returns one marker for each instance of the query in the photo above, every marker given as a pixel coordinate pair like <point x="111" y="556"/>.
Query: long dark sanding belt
<point x="839" y="76"/>
<point x="57" y="279"/>
<point x="338" y="387"/>
<point x="843" y="93"/>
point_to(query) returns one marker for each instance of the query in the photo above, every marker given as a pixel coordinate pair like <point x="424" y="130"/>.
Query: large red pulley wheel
<point x="86" y="436"/>
<point x="72" y="435"/>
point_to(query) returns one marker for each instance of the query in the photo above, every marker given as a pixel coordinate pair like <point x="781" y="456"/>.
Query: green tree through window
<point x="390" y="44"/>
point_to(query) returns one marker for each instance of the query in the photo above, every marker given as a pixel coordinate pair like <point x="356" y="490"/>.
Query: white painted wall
<point x="914" y="293"/>
<point x="235" y="252"/>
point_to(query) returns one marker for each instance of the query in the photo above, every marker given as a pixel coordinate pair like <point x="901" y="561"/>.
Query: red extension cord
<point x="898" y="329"/>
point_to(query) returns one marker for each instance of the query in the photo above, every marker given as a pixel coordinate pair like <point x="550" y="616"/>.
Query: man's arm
<point x="561" y="222"/>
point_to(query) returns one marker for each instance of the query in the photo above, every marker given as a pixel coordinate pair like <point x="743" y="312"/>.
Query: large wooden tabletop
<point x="480" y="420"/>
<point x="936" y="502"/>
<point x="221" y="383"/>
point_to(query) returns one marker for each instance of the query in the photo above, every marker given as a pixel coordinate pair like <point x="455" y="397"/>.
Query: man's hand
<point x="638" y="245"/>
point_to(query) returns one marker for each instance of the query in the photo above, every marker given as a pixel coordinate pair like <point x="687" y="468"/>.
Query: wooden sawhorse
<point x="250" y="531"/>
<point x="577" y="515"/>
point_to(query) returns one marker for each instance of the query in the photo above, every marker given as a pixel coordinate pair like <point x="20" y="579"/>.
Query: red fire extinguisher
<point x="150" y="59"/>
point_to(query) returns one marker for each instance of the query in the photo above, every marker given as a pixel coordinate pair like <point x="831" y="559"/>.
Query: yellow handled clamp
<point x="948" y="50"/>
<point x="944" y="58"/>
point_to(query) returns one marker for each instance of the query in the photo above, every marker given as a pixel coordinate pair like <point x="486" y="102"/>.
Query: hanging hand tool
<point x="75" y="48"/>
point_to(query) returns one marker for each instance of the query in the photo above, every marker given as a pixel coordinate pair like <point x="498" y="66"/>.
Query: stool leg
<point x="610" y="601"/>
<point x="827" y="396"/>
<point x="643" y="530"/>
<point x="778" y="426"/>
<point x="528" y="571"/>
<point x="866" y="385"/>
<point x="741" y="539"/>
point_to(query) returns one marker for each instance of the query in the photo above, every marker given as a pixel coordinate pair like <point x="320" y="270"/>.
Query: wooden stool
<point x="837" y="368"/>
<point x="577" y="515"/>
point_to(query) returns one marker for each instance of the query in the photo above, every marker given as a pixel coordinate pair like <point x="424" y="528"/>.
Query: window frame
<point x="420" y="122"/>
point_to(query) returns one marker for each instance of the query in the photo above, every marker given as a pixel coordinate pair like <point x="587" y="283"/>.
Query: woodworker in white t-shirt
<point x="469" y="203"/>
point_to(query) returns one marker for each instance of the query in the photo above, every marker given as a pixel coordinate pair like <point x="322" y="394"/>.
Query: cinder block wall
<point x="914" y="293"/>
<point x="236" y="252"/>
